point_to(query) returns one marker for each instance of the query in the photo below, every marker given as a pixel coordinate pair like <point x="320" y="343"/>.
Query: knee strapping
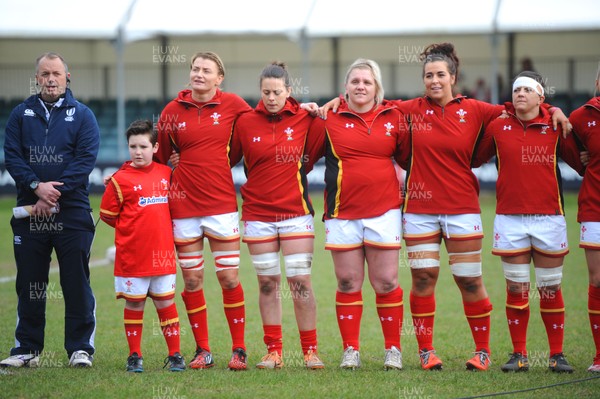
<point x="465" y="264"/>
<point x="266" y="264"/>
<point x="297" y="264"/>
<point x="423" y="255"/>
<point x="226" y="260"/>
<point x="191" y="260"/>
<point x="518" y="273"/>
<point x="548" y="276"/>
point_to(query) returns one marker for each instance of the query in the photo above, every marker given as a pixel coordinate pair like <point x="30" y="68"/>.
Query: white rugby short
<point x="519" y="234"/>
<point x="136" y="289"/>
<point x="383" y="231"/>
<point x="289" y="229"/>
<point x="589" y="235"/>
<point x="225" y="227"/>
<point x="418" y="226"/>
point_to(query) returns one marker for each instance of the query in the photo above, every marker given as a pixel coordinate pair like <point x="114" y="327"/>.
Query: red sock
<point x="308" y="340"/>
<point x="552" y="308"/>
<point x="349" y="307"/>
<point x="169" y="324"/>
<point x="423" y="314"/>
<point x="517" y="315"/>
<point x="273" y="338"/>
<point x="594" y="312"/>
<point x="195" y="306"/>
<point x="478" y="315"/>
<point x="134" y="323"/>
<point x="235" y="312"/>
<point x="390" y="309"/>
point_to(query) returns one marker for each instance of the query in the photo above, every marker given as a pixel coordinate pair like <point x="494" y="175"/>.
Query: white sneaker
<point x="81" y="359"/>
<point x="26" y="360"/>
<point x="594" y="368"/>
<point x="393" y="359"/>
<point x="350" y="359"/>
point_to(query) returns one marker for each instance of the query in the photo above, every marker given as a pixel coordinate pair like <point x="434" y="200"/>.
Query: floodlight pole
<point x="120" y="49"/>
<point x="494" y="38"/>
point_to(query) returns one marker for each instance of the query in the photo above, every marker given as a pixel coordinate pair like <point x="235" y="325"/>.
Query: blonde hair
<point x="209" y="55"/>
<point x="363" y="63"/>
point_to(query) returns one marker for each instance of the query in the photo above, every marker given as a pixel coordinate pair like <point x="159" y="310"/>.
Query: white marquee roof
<point x="317" y="18"/>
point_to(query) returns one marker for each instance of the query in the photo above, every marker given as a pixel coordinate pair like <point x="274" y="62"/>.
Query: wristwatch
<point x="34" y="184"/>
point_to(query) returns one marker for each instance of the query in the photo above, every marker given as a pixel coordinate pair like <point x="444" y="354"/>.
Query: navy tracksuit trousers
<point x="70" y="233"/>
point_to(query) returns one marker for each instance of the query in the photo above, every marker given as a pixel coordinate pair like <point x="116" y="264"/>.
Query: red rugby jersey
<point x="136" y="204"/>
<point x="586" y="126"/>
<point x="202" y="184"/>
<point x="439" y="158"/>
<point x="275" y="160"/>
<point x="527" y="159"/>
<point x="360" y="177"/>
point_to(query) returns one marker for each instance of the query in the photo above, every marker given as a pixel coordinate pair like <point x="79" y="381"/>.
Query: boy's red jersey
<point x="136" y="204"/>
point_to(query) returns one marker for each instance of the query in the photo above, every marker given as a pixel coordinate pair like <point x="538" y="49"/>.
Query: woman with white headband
<point x="441" y="200"/>
<point x="530" y="223"/>
<point x="586" y="126"/>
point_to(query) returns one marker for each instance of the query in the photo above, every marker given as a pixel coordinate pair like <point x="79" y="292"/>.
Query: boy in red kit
<point x="530" y="223"/>
<point x="136" y="204"/>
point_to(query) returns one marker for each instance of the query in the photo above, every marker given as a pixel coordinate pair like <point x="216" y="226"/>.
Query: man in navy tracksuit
<point x="50" y="147"/>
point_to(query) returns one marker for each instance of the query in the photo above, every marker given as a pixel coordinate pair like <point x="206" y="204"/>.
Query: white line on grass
<point x="94" y="263"/>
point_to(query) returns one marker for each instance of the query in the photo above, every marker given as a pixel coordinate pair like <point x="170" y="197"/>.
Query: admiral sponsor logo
<point x="154" y="200"/>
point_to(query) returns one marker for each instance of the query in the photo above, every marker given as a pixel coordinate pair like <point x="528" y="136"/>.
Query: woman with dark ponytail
<point x="277" y="211"/>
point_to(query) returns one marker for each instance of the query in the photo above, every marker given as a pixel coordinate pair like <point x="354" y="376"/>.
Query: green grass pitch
<point x="107" y="378"/>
